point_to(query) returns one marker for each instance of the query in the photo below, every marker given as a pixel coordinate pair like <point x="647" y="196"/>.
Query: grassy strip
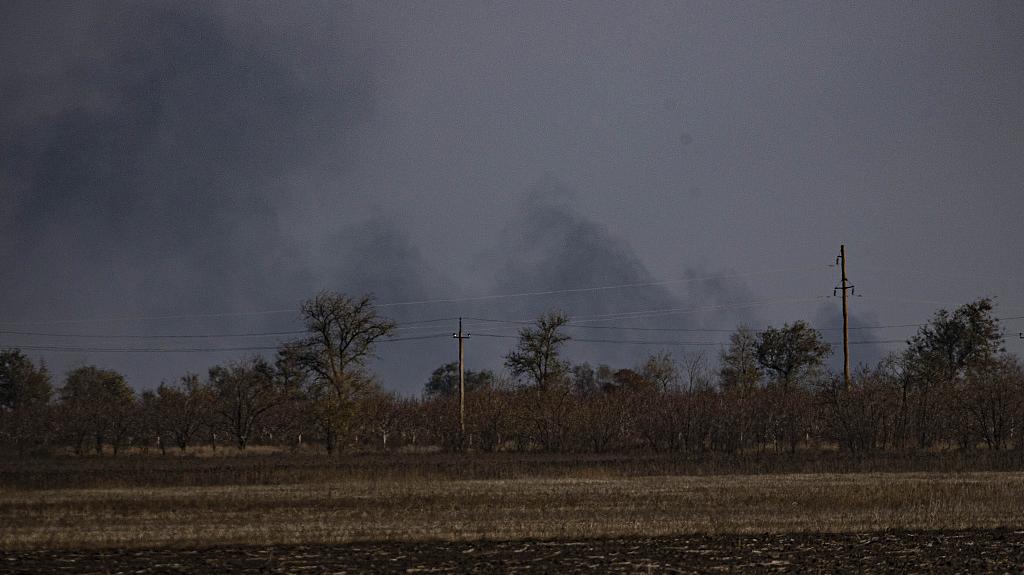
<point x="429" y="509"/>
<point x="293" y="468"/>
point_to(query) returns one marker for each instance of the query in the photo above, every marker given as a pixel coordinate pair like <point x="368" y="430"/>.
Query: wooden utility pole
<point x="462" y="382"/>
<point x="843" y="287"/>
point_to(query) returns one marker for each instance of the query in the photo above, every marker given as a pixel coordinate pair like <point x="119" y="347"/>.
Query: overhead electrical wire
<point x="681" y="343"/>
<point x="641" y="314"/>
<point x="154" y="336"/>
<point x="904" y="270"/>
<point x="152" y="317"/>
<point x="601" y="288"/>
<point x="430" y="301"/>
<point x="84" y="349"/>
<point x="575" y="323"/>
<point x="404" y="326"/>
<point x="690" y="329"/>
<point x="479" y="332"/>
<point x="683" y="310"/>
<point x="671" y="311"/>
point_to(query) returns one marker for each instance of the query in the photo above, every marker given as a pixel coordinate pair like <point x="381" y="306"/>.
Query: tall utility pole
<point x="843" y="287"/>
<point x="462" y="382"/>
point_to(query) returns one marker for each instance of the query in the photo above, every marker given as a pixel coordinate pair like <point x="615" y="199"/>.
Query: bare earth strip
<point x="414" y="510"/>
<point x="978" y="551"/>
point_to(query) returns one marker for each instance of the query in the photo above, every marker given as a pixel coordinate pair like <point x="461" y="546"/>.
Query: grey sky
<point x="163" y="159"/>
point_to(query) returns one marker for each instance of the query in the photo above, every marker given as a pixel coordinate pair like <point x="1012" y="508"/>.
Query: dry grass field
<point x="283" y="513"/>
<point x="417" y="509"/>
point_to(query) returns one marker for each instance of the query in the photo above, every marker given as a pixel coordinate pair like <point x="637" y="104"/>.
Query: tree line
<point x="954" y="386"/>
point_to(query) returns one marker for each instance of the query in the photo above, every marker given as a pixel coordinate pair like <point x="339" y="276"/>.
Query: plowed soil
<point x="973" y="551"/>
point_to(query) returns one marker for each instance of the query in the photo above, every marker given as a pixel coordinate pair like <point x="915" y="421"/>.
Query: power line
<point x="584" y="289"/>
<point x="910" y="300"/>
<point x="79" y="349"/>
<point x="155" y="336"/>
<point x="153" y="317"/>
<point x="694" y="329"/>
<point x="421" y="324"/>
<point x="681" y="343"/>
<point x="425" y="324"/>
<point x="409" y="325"/>
<point x="85" y="349"/>
<point x="600" y="288"/>
<point x="639" y="314"/>
<point x="414" y="325"/>
<point x="415" y="337"/>
<point x="902" y="271"/>
<point x="682" y="311"/>
<point x="653" y="329"/>
<point x="625" y="341"/>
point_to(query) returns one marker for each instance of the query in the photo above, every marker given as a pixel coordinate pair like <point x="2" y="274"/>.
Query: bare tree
<point x="445" y="380"/>
<point x="342" y="335"/>
<point x="550" y="413"/>
<point x="184" y="409"/>
<point x="739" y="369"/>
<point x="863" y="417"/>
<point x="244" y="393"/>
<point x="25" y="393"/>
<point x="992" y="399"/>
<point x="790" y="354"/>
<point x="661" y="370"/>
<point x="490" y="414"/>
<point x="97" y="402"/>
<point x="739" y="377"/>
<point x="537" y="355"/>
<point x="602" y="420"/>
<point x="383" y="415"/>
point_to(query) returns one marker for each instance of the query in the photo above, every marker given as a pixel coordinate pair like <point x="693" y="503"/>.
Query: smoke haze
<point x="219" y="158"/>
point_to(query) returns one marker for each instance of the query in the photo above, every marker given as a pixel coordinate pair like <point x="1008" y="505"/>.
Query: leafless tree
<point x="244" y="393"/>
<point x="538" y="353"/>
<point x="342" y="334"/>
<point x="184" y="409"/>
<point x="992" y="400"/>
<point x="98" y="403"/>
<point x="25" y="393"/>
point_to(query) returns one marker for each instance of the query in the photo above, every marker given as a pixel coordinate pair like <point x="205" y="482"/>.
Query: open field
<point x="506" y="509"/>
<point x="445" y="512"/>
